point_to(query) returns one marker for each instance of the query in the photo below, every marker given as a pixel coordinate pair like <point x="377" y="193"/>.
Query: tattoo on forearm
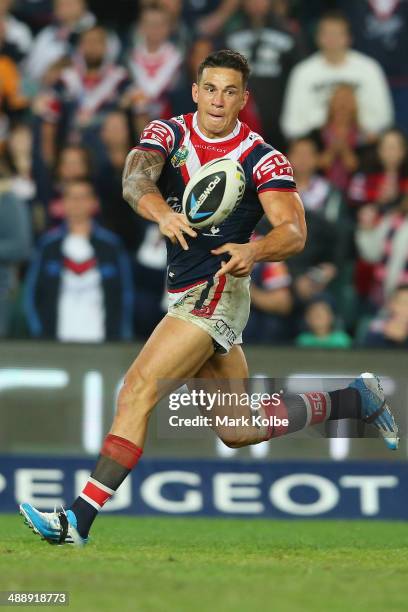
<point x="142" y="170"/>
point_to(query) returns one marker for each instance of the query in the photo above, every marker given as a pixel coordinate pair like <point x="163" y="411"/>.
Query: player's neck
<point x="230" y="132"/>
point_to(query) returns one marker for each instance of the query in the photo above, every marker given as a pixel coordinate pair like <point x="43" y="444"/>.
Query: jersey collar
<point x="230" y="136"/>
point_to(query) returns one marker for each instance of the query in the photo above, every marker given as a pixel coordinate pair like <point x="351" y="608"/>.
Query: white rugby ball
<point x="213" y="192"/>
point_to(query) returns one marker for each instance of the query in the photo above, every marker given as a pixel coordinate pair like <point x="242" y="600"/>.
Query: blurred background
<point x="78" y="82"/>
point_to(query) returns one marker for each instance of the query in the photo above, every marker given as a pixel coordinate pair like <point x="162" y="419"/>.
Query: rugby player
<point x="208" y="282"/>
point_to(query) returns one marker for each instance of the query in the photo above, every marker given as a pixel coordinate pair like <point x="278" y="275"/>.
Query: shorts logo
<point x="180" y="157"/>
<point x="225" y="330"/>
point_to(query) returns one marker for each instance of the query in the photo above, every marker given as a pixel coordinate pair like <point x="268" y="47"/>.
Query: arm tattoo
<point x="142" y="170"/>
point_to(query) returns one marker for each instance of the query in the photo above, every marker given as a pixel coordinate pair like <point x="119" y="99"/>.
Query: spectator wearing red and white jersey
<point x="154" y="64"/>
<point x="79" y="286"/>
<point x="312" y="82"/>
<point x="383" y="179"/>
<point x="59" y="39"/>
<point x="383" y="242"/>
<point x="342" y="138"/>
<point x="74" y="109"/>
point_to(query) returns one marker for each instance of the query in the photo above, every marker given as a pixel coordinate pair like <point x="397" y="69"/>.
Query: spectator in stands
<point x="209" y="17"/>
<point x="321" y="327"/>
<point x="390" y="328"/>
<point x="150" y="280"/>
<point x="283" y="10"/>
<point x="341" y="138"/>
<point x="380" y="29"/>
<point x="154" y="64"/>
<point x="58" y="40"/>
<point x="383" y="178"/>
<point x="12" y="101"/>
<point x="271" y="305"/>
<point x="116" y="214"/>
<point x="19" y="149"/>
<point x="317" y="192"/>
<point x="312" y="82"/>
<point x="15" y="36"/>
<point x="74" y="110"/>
<point x="36" y="13"/>
<point x="329" y="243"/>
<point x="15" y="244"/>
<point x="73" y="163"/>
<point x="272" y="51"/>
<point x="180" y="32"/>
<point x="383" y="241"/>
<point x="79" y="286"/>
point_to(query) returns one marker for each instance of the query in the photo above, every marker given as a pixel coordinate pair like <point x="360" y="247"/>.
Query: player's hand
<point x="242" y="259"/>
<point x="174" y="225"/>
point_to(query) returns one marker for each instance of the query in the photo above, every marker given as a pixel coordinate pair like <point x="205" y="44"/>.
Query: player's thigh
<point x="230" y="366"/>
<point x="223" y="373"/>
<point x="176" y="349"/>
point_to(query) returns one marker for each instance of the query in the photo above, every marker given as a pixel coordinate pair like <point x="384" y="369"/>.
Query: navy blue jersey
<point x="185" y="150"/>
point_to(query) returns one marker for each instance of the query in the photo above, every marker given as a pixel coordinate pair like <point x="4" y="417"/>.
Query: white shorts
<point x="219" y="306"/>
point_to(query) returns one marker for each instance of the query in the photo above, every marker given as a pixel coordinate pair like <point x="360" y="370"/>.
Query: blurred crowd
<point x="329" y="88"/>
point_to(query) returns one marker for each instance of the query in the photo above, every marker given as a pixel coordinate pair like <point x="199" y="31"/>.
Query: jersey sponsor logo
<point x="160" y="133"/>
<point x="275" y="165"/>
<point x="180" y="157"/>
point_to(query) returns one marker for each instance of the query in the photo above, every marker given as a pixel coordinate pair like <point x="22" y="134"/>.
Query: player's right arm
<point x="142" y="171"/>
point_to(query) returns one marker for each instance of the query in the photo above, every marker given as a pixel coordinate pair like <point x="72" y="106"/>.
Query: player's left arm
<point x="284" y="210"/>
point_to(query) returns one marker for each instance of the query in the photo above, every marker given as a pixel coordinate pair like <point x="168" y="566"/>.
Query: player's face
<point x="220" y="96"/>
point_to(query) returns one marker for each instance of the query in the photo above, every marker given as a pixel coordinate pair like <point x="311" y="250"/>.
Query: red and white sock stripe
<point x="318" y="406"/>
<point x="96" y="494"/>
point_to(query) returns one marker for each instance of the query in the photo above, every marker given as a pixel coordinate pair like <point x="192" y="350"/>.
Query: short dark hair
<point x="226" y="58"/>
<point x="335" y="15"/>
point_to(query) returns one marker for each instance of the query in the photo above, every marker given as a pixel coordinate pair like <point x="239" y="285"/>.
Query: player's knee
<point x="138" y="393"/>
<point x="232" y="440"/>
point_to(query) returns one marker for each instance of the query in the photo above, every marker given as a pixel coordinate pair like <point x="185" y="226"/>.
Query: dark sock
<point x="117" y="459"/>
<point x="345" y="404"/>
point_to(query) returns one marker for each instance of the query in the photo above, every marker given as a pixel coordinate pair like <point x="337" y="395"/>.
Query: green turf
<point x="195" y="565"/>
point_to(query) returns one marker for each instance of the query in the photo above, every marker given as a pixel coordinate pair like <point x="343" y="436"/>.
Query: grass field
<point x="195" y="565"/>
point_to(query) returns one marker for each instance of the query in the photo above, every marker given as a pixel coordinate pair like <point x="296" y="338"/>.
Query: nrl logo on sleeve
<point x="180" y="157"/>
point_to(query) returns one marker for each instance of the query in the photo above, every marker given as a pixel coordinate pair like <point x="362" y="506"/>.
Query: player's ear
<point x="194" y="92"/>
<point x="245" y="99"/>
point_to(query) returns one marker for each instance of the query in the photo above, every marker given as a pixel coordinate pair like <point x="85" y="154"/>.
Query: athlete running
<point x="208" y="284"/>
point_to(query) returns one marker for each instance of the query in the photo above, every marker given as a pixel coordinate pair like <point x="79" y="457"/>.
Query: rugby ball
<point x="213" y="192"/>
